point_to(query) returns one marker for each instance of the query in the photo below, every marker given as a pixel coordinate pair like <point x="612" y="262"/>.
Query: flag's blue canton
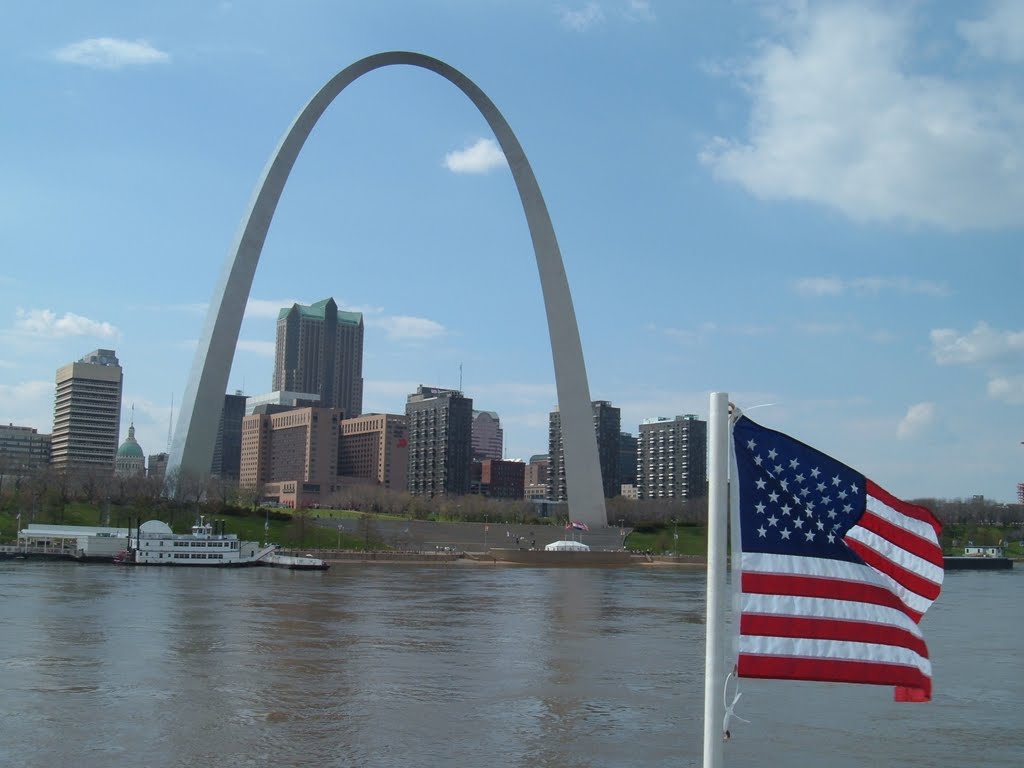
<point x="794" y="500"/>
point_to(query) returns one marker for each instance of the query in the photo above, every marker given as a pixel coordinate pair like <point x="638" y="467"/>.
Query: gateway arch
<point x="195" y="434"/>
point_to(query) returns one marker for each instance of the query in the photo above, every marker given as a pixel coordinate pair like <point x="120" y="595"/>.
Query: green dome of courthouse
<point x="130" y="460"/>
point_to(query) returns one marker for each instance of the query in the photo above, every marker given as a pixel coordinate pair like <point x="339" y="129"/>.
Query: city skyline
<point x="735" y="212"/>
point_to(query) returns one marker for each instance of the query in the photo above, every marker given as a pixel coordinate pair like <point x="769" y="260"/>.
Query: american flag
<point x="836" y="572"/>
<point x="577" y="525"/>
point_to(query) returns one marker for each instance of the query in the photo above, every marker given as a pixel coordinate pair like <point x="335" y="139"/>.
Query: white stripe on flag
<point x="843" y="570"/>
<point x="838" y="650"/>
<point x="896" y="554"/>
<point x="907" y="523"/>
<point x="828" y="608"/>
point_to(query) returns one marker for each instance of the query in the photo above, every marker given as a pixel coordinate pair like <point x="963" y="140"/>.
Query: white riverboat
<point x="154" y="543"/>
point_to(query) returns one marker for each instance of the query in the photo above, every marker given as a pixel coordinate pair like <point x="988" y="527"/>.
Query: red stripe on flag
<point x="910" y="580"/>
<point x="910" y="510"/>
<point x="835" y="671"/>
<point x="902" y="538"/>
<point x="832" y="589"/>
<point x="826" y="628"/>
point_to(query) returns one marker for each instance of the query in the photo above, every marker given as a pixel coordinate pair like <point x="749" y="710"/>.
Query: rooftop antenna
<point x="460" y="377"/>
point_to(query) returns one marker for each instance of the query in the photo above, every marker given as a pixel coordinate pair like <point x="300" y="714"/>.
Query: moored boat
<point x="154" y="543"/>
<point x="295" y="562"/>
<point x="978" y="558"/>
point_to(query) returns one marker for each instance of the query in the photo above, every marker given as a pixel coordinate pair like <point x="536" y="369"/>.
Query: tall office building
<point x="672" y="458"/>
<point x="320" y="350"/>
<point x="87" y="413"/>
<point x="535" y="480"/>
<point x="22" y="450"/>
<point x="627" y="459"/>
<point x="375" y="447"/>
<point x="227" y="451"/>
<point x="500" y="479"/>
<point x="156" y="467"/>
<point x="488" y="436"/>
<point x="291" y="455"/>
<point x="440" y="425"/>
<point x="607" y="423"/>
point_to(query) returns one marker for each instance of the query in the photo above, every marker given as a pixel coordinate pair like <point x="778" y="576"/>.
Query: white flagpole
<point x="718" y="491"/>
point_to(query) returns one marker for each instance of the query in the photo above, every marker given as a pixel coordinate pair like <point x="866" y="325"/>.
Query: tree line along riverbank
<point x="352" y="530"/>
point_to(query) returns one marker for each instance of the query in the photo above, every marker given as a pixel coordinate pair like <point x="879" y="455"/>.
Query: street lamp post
<point x="339" y="537"/>
<point x="486" y="526"/>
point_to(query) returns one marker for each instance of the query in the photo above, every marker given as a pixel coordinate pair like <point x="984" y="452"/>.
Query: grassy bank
<point x="299" y="530"/>
<point x="296" y="531"/>
<point x="659" y="540"/>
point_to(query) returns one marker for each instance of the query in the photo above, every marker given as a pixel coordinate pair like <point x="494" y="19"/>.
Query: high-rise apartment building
<point x="672" y="458"/>
<point x="87" y="414"/>
<point x="320" y="350"/>
<point x="440" y="425"/>
<point x="627" y="458"/>
<point x="488" y="436"/>
<point x="22" y="450"/>
<point x="295" y="450"/>
<point x="227" y="451"/>
<point x="607" y="423"/>
<point x="535" y="481"/>
<point x="156" y="466"/>
<point x="501" y="479"/>
<point x="375" y="447"/>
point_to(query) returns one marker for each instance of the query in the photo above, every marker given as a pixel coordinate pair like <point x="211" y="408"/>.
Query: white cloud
<point x="905" y="285"/>
<point x="387" y="391"/>
<point x="110" y="53"/>
<point x="516" y="392"/>
<point x="1009" y="389"/>
<point x="983" y="344"/>
<point x="639" y="10"/>
<point x="824" y="329"/>
<point x="820" y="286"/>
<point x="402" y="328"/>
<point x="834" y="286"/>
<point x="28" y="404"/>
<point x="582" y="19"/>
<point x="839" y="119"/>
<point x="44" y="322"/>
<point x="692" y="335"/>
<point x="1000" y="34"/>
<point x="481" y="157"/>
<point x="919" y="417"/>
<point x="268" y="308"/>
<point x="261" y="348"/>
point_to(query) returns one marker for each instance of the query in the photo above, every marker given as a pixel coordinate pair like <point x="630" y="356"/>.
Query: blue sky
<point x="817" y="206"/>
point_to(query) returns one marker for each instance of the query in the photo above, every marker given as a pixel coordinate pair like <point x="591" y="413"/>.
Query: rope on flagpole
<point x="730" y="708"/>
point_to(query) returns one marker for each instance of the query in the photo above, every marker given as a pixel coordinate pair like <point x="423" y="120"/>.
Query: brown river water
<point x="404" y="665"/>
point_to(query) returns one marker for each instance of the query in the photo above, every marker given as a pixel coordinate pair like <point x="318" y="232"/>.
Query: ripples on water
<point x="468" y="666"/>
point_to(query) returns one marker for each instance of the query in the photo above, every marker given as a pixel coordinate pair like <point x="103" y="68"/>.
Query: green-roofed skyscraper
<point x="320" y="350"/>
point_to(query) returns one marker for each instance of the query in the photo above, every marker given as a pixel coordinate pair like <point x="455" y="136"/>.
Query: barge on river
<point x="976" y="558"/>
<point x="278" y="559"/>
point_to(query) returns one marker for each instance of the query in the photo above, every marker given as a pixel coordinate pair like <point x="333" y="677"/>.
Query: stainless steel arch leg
<point x="194" y="436"/>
